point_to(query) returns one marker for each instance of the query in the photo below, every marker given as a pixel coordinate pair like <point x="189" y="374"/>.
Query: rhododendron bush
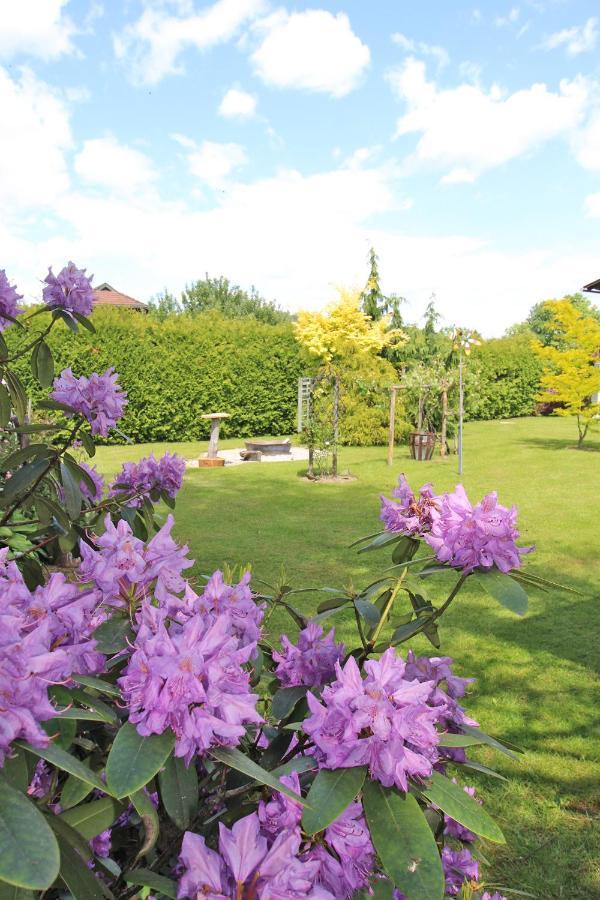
<point x="157" y="740"/>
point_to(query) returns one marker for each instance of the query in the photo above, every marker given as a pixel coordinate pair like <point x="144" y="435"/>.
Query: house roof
<point x="593" y="286"/>
<point x="106" y="295"/>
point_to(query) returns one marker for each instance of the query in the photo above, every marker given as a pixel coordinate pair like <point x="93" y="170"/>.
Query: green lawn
<point x="536" y="677"/>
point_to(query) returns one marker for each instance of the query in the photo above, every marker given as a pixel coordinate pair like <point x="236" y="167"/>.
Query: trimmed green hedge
<point x="176" y="370"/>
<point x="508" y="378"/>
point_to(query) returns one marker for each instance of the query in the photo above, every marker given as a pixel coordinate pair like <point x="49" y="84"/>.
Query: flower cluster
<point x="150" y="477"/>
<point x="459" y="866"/>
<point x="312" y="661"/>
<point x="411" y="515"/>
<point x="485" y="535"/>
<point x="383" y="720"/>
<point x="99" y="398"/>
<point x="45" y="637"/>
<point x="8" y="301"/>
<point x="463" y="536"/>
<point x="70" y="290"/>
<point x="265" y="855"/>
<point x="189" y="678"/>
<point x="125" y="570"/>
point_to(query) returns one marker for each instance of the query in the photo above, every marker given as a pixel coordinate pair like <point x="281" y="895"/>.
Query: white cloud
<point x="412" y="46"/>
<point x="237" y="104"/>
<point x="576" y="40"/>
<point x="312" y="50"/>
<point x="511" y="17"/>
<point x="151" y="46"/>
<point x="36" y="27"/>
<point x="467" y="130"/>
<point x="591" y="206"/>
<point x="212" y="162"/>
<point x="35" y="135"/>
<point x="108" y="163"/>
<point x="586" y="144"/>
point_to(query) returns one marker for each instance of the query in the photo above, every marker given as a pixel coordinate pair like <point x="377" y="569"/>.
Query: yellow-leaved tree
<point x="572" y="374"/>
<point x="340" y="338"/>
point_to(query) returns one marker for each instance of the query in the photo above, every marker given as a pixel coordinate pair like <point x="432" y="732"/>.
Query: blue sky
<point x="156" y="140"/>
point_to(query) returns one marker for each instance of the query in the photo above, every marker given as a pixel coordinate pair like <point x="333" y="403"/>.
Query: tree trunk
<point x="583" y="430"/>
<point x="444" y="421"/>
<point x="336" y="424"/>
<point x="392" y="432"/>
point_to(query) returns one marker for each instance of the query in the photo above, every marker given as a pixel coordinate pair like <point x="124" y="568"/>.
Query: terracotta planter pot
<point x="205" y="463"/>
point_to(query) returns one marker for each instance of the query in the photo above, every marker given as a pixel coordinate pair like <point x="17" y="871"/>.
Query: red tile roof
<point x="105" y="295"/>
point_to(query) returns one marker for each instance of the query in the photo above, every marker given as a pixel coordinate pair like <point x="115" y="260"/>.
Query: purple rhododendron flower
<point x="189" y="678"/>
<point x="281" y="812"/>
<point x="101" y="844"/>
<point x="383" y="721"/>
<point x="71" y="290"/>
<point x="459" y="866"/>
<point x="45" y="637"/>
<point x="411" y="515"/>
<point x="247" y="861"/>
<point x="96" y="495"/>
<point x="99" y="398"/>
<point x="41" y="782"/>
<point x="8" y="301"/>
<point x="349" y="870"/>
<point x="237" y="601"/>
<point x="149" y="476"/>
<point x="312" y="661"/>
<point x="495" y="896"/>
<point x="466" y="537"/>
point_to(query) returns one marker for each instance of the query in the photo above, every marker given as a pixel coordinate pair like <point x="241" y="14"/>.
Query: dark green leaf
<point x="405" y="549"/>
<point x="505" y="747"/>
<point x="51" y="510"/>
<point x="45" y="365"/>
<point x="404" y="842"/>
<point x="17" y="393"/>
<point x="451" y="798"/>
<point x="72" y="492"/>
<point x="112" y="635"/>
<point x="133" y="760"/>
<point x="147" y="878"/>
<point x="330" y="794"/>
<point x="504" y="589"/>
<point x="88" y="443"/>
<point x="299" y="764"/>
<point x="368" y="612"/>
<point x="67" y="763"/>
<point x="385" y="537"/>
<point x="67" y="319"/>
<point x="74" y="791"/>
<point x="105" y="712"/>
<point x="79" y="880"/>
<point x="29" y="856"/>
<point x="61" y="731"/>
<point x="235" y="759"/>
<point x="98" y="684"/>
<point x="90" y="819"/>
<point x="16" y="772"/>
<point x="179" y="791"/>
<point x="458" y="740"/>
<point x="285" y="699"/>
<point x="13" y="460"/>
<point x="404" y="632"/>
<point x="5" y="407"/>
<point x="12" y="892"/>
<point x="23" y="478"/>
<point x="145" y="810"/>
<point x="333" y="603"/>
<point x="83" y="320"/>
<point x="485" y="770"/>
<point x="73" y="837"/>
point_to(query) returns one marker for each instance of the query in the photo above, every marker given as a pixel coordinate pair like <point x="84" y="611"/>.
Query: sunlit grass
<point x="536" y="677"/>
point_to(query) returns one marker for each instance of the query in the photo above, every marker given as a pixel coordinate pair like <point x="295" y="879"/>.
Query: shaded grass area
<point x="537" y="677"/>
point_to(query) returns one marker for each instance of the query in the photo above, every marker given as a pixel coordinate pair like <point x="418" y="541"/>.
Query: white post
<point x="460" y="411"/>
